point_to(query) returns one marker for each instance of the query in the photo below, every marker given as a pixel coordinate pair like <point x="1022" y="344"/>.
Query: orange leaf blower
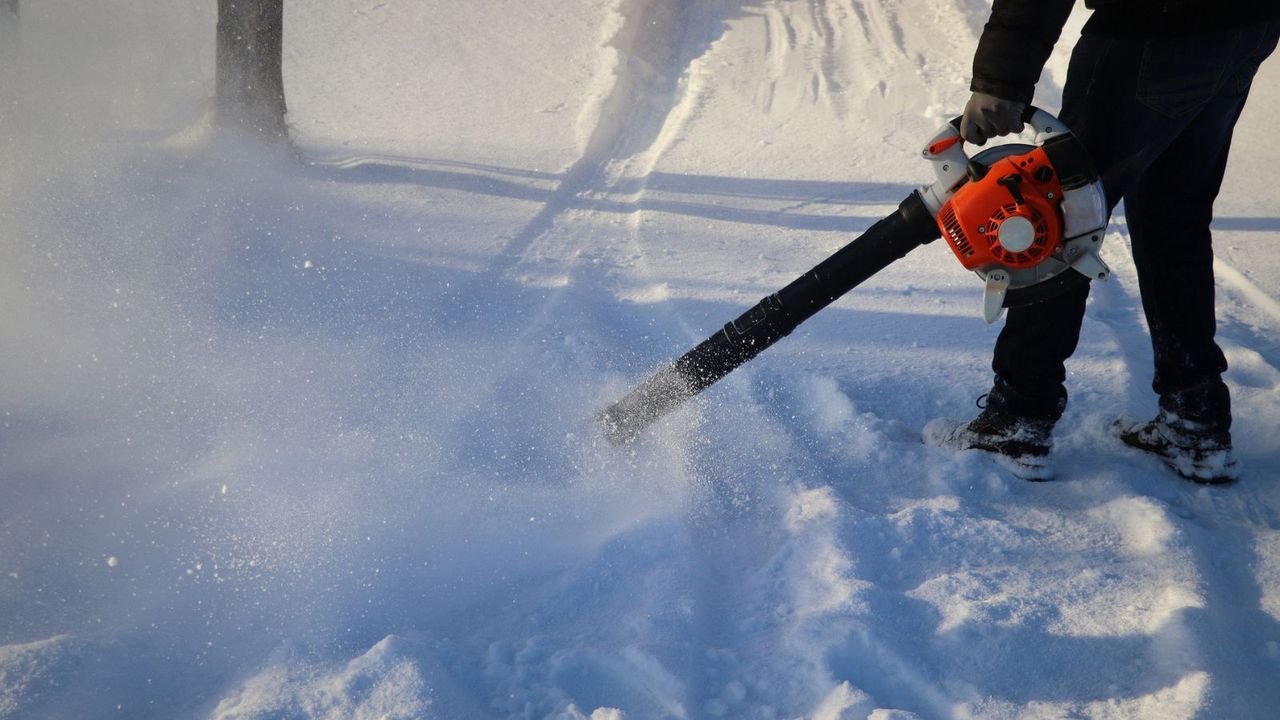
<point x="1028" y="219"/>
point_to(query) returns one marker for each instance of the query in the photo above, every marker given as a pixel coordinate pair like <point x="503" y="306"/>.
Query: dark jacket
<point x="1020" y="34"/>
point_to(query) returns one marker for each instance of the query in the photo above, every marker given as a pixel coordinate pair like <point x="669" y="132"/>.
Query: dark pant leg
<point x="1168" y="217"/>
<point x="1169" y="209"/>
<point x="1030" y="354"/>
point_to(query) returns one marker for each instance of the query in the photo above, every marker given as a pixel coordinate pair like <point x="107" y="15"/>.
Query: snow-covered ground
<point x="315" y="439"/>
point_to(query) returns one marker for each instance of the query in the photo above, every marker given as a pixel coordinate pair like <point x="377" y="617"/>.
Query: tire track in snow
<point x="825" y="82"/>
<point x="651" y="52"/>
<point x="650" y="45"/>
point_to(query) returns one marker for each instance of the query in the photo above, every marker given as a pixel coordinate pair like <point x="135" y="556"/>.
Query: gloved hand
<point x="987" y="116"/>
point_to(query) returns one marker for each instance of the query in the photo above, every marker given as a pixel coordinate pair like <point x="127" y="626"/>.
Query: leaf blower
<point x="1027" y="219"/>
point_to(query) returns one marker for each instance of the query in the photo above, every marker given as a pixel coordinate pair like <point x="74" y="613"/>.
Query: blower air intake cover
<point x="1009" y="217"/>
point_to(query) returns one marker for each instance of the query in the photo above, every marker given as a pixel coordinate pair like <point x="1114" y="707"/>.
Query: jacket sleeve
<point x="1015" y="44"/>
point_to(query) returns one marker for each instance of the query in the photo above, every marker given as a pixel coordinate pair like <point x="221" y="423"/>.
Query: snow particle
<point x="734" y="692"/>
<point x="112" y="561"/>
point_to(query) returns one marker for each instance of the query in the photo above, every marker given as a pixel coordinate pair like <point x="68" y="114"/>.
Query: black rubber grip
<point x="1027" y="114"/>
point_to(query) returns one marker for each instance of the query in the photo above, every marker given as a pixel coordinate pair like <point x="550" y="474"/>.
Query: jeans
<point x="1157" y="117"/>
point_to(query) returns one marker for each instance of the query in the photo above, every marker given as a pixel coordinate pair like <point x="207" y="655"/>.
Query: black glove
<point x="987" y="116"/>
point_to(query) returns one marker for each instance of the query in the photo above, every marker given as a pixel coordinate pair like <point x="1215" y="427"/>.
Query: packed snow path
<point x="317" y="440"/>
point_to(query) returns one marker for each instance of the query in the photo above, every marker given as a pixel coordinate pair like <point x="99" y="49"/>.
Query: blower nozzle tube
<point x="772" y="319"/>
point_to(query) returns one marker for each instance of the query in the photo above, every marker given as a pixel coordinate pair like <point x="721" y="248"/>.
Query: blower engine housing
<point x="1020" y="216"/>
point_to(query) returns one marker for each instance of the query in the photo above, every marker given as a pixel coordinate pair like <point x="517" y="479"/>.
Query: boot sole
<point x="1032" y="468"/>
<point x="1187" y="468"/>
<point x="1024" y="460"/>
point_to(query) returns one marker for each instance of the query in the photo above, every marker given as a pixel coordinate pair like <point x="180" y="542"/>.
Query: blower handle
<point x="1042" y="121"/>
<point x="950" y="162"/>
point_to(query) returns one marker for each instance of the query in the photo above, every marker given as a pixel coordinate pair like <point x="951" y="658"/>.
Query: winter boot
<point x="1191" y="449"/>
<point x="1020" y="444"/>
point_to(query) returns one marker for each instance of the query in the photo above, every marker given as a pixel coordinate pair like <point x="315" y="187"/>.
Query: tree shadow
<point x="1247" y="224"/>
<point x="652" y="193"/>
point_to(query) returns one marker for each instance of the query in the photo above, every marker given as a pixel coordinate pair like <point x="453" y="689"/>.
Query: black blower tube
<point x="772" y="319"/>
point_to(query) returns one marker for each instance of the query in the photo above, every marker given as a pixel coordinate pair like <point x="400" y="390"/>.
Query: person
<point x="1153" y="91"/>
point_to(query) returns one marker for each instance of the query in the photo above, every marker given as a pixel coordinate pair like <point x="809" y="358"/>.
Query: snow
<point x="316" y="439"/>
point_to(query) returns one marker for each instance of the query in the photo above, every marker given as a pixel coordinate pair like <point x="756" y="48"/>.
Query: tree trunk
<point x="249" y="85"/>
<point x="8" y="31"/>
<point x="10" y="62"/>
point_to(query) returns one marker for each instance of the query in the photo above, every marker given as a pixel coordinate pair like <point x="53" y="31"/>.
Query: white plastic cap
<point x="1016" y="234"/>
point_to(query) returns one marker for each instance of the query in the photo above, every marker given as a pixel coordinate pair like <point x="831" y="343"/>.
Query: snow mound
<point x="396" y="679"/>
<point x="32" y="672"/>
